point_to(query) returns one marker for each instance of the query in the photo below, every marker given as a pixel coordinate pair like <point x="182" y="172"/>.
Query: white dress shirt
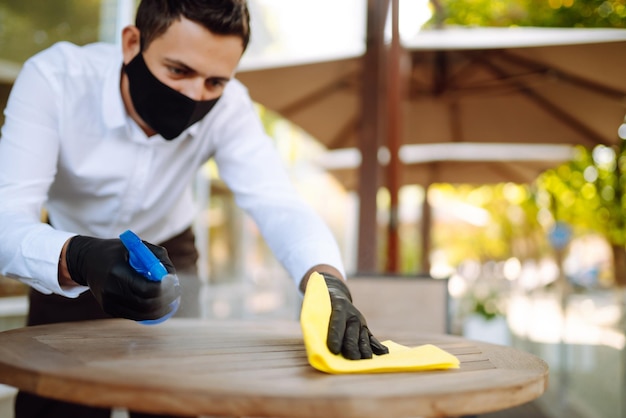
<point x="69" y="145"/>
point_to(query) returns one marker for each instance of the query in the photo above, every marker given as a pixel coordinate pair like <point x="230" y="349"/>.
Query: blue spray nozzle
<point x="141" y="258"/>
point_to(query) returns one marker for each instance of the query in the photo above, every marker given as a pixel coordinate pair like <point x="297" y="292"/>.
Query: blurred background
<point x="392" y="118"/>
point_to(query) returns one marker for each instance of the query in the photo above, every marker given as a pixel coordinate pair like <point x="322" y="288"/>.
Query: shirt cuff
<point x="41" y="251"/>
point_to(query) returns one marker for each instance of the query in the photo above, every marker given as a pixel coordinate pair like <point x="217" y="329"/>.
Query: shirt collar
<point x="193" y="129"/>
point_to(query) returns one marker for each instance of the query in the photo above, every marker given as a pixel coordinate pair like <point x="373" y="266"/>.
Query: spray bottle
<point x="146" y="263"/>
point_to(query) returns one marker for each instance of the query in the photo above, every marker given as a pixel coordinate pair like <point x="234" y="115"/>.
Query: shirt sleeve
<point x="250" y="165"/>
<point x="29" y="148"/>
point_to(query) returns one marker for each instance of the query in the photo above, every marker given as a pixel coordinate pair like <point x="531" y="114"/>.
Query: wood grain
<point x="252" y="369"/>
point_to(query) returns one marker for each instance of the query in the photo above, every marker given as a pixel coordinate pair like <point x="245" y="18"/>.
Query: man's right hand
<point x="102" y="264"/>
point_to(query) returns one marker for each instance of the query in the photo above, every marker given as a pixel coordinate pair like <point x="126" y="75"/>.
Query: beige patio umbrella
<point x="469" y="86"/>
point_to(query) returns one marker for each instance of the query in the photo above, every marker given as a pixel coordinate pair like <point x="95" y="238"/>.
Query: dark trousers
<point x="48" y="309"/>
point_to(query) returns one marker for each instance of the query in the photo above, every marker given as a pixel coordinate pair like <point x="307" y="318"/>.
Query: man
<point x="109" y="142"/>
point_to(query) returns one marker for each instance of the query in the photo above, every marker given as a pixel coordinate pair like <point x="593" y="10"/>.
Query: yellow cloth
<point x="315" y="318"/>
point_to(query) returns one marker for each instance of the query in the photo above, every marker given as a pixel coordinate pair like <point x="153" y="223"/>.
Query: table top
<point x="260" y="369"/>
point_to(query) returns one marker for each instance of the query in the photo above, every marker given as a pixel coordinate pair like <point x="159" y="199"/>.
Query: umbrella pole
<point x="425" y="231"/>
<point x="393" y="141"/>
<point x="372" y="107"/>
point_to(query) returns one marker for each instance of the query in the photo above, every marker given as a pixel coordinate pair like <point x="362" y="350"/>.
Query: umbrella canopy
<point x="467" y="86"/>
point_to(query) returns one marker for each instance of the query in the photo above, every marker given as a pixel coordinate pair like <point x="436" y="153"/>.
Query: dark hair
<point x="221" y="17"/>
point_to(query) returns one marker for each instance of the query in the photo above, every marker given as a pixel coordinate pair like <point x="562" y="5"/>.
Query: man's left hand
<point x="347" y="332"/>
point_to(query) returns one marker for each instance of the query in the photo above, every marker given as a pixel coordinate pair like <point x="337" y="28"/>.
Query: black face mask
<point x="164" y="109"/>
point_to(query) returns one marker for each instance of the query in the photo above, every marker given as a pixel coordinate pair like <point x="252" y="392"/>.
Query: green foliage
<point x="589" y="192"/>
<point x="546" y="13"/>
<point x="29" y="26"/>
<point x="512" y="228"/>
<point x="487" y="308"/>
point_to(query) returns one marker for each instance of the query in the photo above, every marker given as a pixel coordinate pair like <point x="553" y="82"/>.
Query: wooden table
<point x="252" y="369"/>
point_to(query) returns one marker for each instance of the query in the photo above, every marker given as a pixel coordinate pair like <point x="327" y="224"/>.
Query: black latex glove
<point x="102" y="264"/>
<point x="347" y="332"/>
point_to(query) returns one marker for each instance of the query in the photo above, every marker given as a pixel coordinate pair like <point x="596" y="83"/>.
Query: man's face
<point x="190" y="59"/>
